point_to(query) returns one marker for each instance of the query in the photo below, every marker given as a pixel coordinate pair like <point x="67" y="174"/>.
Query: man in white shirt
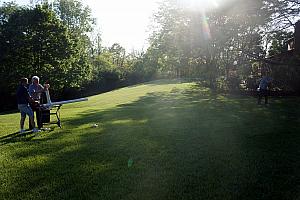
<point x="35" y="91"/>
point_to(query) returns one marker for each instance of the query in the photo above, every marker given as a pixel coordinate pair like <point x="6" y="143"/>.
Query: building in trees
<point x="285" y="66"/>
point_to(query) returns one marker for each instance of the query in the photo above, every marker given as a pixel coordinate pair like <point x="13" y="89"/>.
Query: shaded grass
<point x="162" y="140"/>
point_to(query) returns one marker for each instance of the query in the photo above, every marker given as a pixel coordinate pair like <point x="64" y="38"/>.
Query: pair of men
<point x="27" y="97"/>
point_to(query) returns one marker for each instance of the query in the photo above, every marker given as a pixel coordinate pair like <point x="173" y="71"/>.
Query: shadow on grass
<point x="16" y="137"/>
<point x="186" y="144"/>
<point x="28" y="135"/>
<point x="9" y="112"/>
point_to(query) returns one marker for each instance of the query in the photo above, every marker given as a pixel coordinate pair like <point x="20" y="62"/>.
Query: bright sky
<point x="126" y="21"/>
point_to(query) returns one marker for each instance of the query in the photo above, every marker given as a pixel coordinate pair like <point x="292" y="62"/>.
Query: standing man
<point x="35" y="91"/>
<point x="264" y="88"/>
<point x="23" y="99"/>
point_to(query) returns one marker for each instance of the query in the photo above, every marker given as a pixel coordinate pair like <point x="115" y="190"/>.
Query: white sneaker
<point x="22" y="131"/>
<point x="35" y="130"/>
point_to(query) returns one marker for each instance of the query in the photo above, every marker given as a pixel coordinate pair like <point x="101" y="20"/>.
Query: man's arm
<point x="24" y="93"/>
<point x="40" y="89"/>
<point x="270" y="83"/>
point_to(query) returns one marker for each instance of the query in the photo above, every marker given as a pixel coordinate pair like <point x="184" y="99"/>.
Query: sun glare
<point x="197" y="5"/>
<point x="202" y="6"/>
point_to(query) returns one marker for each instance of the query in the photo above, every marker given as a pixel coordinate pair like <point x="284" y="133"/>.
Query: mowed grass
<point x="160" y="140"/>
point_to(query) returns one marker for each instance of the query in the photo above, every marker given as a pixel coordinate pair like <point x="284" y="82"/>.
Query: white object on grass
<point x="95" y="125"/>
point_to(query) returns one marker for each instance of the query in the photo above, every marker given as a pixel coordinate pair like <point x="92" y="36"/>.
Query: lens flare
<point x="205" y="27"/>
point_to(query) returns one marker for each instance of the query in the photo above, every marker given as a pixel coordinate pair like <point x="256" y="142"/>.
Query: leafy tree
<point x="75" y="15"/>
<point x="118" y="54"/>
<point x="79" y="20"/>
<point x="196" y="42"/>
<point x="35" y="42"/>
<point x="279" y="42"/>
<point x="283" y="14"/>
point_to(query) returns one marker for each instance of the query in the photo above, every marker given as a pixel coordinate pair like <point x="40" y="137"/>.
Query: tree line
<point x="225" y="47"/>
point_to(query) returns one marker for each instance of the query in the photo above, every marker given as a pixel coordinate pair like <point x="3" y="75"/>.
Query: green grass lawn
<point x="161" y="140"/>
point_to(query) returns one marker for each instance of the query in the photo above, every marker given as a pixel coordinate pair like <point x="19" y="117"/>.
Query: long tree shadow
<point x="186" y="144"/>
<point x="16" y="137"/>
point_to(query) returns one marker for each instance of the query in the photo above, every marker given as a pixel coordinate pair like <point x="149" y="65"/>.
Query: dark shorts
<point x="25" y="110"/>
<point x="263" y="93"/>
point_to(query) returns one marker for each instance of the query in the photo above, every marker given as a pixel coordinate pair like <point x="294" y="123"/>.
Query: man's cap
<point x="35" y="78"/>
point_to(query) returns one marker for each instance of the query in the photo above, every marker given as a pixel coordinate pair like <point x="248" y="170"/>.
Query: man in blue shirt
<point x="264" y="87"/>
<point x="23" y="99"/>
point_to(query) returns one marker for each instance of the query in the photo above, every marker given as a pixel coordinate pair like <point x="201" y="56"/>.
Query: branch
<point x="265" y="60"/>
